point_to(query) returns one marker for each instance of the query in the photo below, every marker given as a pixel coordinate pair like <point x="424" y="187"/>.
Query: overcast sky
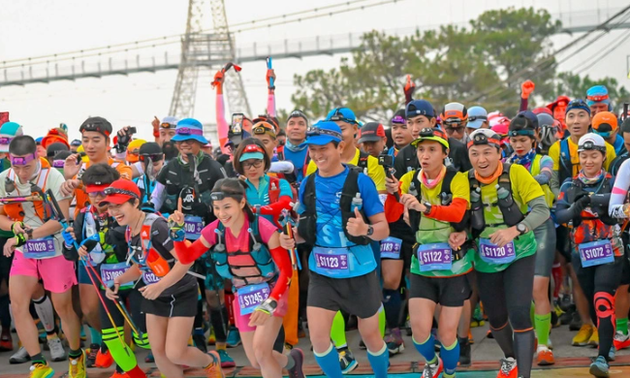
<point x="39" y="27"/>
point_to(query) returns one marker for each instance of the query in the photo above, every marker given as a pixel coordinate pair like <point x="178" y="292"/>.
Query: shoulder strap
<point x="472" y="180"/>
<point x="446" y="181"/>
<point x="350" y="190"/>
<point x="308" y="196"/>
<point x="565" y="156"/>
<point x="363" y="160"/>
<point x="504" y="179"/>
<point x="416" y="183"/>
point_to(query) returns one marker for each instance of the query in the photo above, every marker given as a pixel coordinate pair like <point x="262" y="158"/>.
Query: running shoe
<point x="103" y="360"/>
<point x="226" y="360"/>
<point x="599" y="367"/>
<point x="41" y="371"/>
<point x="57" y="353"/>
<point x="612" y="353"/>
<point x="347" y="360"/>
<point x="298" y="357"/>
<point x="621" y="341"/>
<point x="508" y="368"/>
<point x="214" y="369"/>
<point x="432" y="370"/>
<point x="19" y="357"/>
<point x="212" y="339"/>
<point x="149" y="358"/>
<point x="594" y="340"/>
<point x="544" y="356"/>
<point x="6" y="341"/>
<point x="576" y="322"/>
<point x="233" y="338"/>
<point x="583" y="336"/>
<point x="91" y="355"/>
<point x="77" y="368"/>
<point x="464" y="352"/>
<point x="395" y="343"/>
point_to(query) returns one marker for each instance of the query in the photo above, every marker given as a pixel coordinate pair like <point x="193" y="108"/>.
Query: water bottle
<point x="503" y="194"/>
<point x="413" y="190"/>
<point x="273" y="186"/>
<point x="357" y="203"/>
<point x="476" y="207"/>
<point x="511" y="212"/>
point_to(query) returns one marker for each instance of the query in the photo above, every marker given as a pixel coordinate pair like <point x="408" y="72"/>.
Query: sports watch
<point x="521" y="228"/>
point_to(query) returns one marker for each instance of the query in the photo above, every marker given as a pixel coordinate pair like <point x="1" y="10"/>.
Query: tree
<point x="482" y="64"/>
<point x="574" y="86"/>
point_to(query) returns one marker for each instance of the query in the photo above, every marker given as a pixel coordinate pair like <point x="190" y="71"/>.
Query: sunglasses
<point x="316" y="131"/>
<point x="5" y="140"/>
<point x="153" y="157"/>
<point x="97" y="194"/>
<point x="166" y="125"/>
<point x="261" y="130"/>
<point x="255" y="164"/>
<point x="111" y="191"/>
<point x="97" y="127"/>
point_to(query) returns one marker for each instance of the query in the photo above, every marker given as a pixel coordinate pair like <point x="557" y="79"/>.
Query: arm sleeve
<point x="538" y="214"/>
<point x="524" y="103"/>
<point x="564" y="213"/>
<point x="622" y="183"/>
<point x="284" y="202"/>
<point x="554" y="183"/>
<point x="281" y="258"/>
<point x="188" y="252"/>
<point x="546" y="171"/>
<point x="222" y="125"/>
<point x="456" y="211"/>
<point x="271" y="103"/>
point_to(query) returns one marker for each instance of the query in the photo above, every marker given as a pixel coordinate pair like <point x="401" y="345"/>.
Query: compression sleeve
<point x="620" y="190"/>
<point x="222" y="125"/>
<point x="281" y="258"/>
<point x="271" y="103"/>
<point x="188" y="252"/>
<point x="453" y="213"/>
<point x="538" y="214"/>
<point x="524" y="103"/>
<point x="275" y="209"/>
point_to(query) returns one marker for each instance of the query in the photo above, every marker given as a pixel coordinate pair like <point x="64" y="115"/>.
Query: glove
<point x="68" y="239"/>
<point x="218" y="79"/>
<point x="156" y="127"/>
<point x="581" y="204"/>
<point x="409" y="88"/>
<point x="527" y="88"/>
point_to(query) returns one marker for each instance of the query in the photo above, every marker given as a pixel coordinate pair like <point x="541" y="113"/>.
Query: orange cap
<point x="605" y="118"/>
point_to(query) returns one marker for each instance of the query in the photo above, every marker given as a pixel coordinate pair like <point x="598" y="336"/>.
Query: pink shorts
<point x="242" y="321"/>
<point x="57" y="273"/>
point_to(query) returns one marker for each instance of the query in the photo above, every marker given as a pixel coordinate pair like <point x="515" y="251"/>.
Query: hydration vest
<point x="15" y="211"/>
<point x="179" y="177"/>
<point x="292" y="177"/>
<point x="510" y="210"/>
<point x="566" y="165"/>
<point x="307" y="226"/>
<point x="243" y="267"/>
<point x="576" y="191"/>
<point x="149" y="259"/>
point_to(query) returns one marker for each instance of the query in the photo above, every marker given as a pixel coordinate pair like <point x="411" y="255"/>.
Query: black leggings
<point x="600" y="284"/>
<point x="507" y="295"/>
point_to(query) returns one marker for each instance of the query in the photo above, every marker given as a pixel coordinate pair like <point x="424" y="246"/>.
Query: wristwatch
<point x="427" y="209"/>
<point x="521" y="228"/>
<point x="370" y="231"/>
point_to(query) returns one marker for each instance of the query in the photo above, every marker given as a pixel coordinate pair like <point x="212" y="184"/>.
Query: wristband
<point x="13" y="226"/>
<point x="268" y="306"/>
<point x="20" y="240"/>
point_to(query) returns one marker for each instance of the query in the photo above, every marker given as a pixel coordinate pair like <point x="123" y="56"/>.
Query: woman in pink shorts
<point x="246" y="249"/>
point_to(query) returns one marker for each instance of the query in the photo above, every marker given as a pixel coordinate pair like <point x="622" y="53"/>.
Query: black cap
<point x="62" y="155"/>
<point x="371" y="132"/>
<point x="53" y="148"/>
<point x="526" y="120"/>
<point x="98" y="124"/>
<point x="150" y="148"/>
<point x="298" y="113"/>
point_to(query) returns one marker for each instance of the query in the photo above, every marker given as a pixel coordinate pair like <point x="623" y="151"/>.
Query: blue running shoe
<point x="599" y="367"/>
<point x="233" y="338"/>
<point x="226" y="360"/>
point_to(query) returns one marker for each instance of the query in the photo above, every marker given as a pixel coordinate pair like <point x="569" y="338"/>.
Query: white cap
<point x="592" y="141"/>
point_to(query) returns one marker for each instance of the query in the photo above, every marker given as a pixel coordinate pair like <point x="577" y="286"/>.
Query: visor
<point x="117" y="196"/>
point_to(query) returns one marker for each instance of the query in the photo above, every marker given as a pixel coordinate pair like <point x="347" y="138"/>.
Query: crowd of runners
<point x="437" y="220"/>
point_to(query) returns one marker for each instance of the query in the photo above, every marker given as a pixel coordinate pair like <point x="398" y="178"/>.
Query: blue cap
<point x="420" y="107"/>
<point x="342" y="114"/>
<point x="189" y="129"/>
<point x="578" y="103"/>
<point x="596" y="94"/>
<point x="252" y="155"/>
<point x="322" y="133"/>
<point x="8" y="131"/>
<point x="476" y="117"/>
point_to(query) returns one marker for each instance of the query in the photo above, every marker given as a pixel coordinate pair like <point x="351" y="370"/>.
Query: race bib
<point x="39" y="248"/>
<point x="436" y="256"/>
<point x="493" y="254"/>
<point x="193" y="226"/>
<point x="250" y="296"/>
<point x="596" y="253"/>
<point x="327" y="258"/>
<point x="149" y="278"/>
<point x="111" y="271"/>
<point x="390" y="248"/>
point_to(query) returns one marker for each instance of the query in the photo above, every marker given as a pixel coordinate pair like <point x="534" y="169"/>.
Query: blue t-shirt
<point x="260" y="196"/>
<point x="330" y="228"/>
<point x="620" y="148"/>
<point x="298" y="159"/>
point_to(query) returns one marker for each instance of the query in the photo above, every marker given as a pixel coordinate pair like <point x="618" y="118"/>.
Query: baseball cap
<point x="597" y="93"/>
<point x="342" y="114"/>
<point x="559" y="100"/>
<point x="604" y="123"/>
<point x="476" y="117"/>
<point x="53" y="148"/>
<point x="578" y="103"/>
<point x="371" y="132"/>
<point x="169" y="122"/>
<point x="433" y="134"/>
<point x="299" y="114"/>
<point x="98" y="124"/>
<point x="420" y="107"/>
<point x="592" y="141"/>
<point x="484" y="136"/>
<point x="120" y="191"/>
<point x="525" y="123"/>
<point x="133" y="150"/>
<point x="454" y="112"/>
<point x="252" y="151"/>
<point x="152" y="150"/>
<point x="189" y="129"/>
<point x="322" y="133"/>
<point x="8" y="131"/>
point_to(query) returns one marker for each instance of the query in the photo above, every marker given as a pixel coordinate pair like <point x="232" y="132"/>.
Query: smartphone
<point x="132" y="130"/>
<point x="237" y="123"/>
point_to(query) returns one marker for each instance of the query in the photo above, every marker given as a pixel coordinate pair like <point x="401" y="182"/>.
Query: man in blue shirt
<point x="340" y="214"/>
<point x="295" y="150"/>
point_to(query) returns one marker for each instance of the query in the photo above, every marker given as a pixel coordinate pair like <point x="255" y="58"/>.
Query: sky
<point x="41" y="27"/>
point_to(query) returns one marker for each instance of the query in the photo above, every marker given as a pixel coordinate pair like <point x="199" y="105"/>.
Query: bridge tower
<point x="198" y="50"/>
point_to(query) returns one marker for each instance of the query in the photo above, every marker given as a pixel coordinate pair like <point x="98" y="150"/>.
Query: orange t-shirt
<point x="82" y="199"/>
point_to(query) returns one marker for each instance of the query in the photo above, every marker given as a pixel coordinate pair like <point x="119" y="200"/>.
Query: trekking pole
<point x="287" y="227"/>
<point x="225" y="69"/>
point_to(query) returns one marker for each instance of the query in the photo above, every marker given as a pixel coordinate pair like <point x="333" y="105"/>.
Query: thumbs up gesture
<point x="356" y="226"/>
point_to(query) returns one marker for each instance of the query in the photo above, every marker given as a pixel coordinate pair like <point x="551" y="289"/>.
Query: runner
<point x="436" y="200"/>
<point x="170" y="295"/>
<point x="598" y="100"/>
<point x="477" y="119"/>
<point x="96" y="234"/>
<point x="605" y="124"/>
<point x="523" y="130"/>
<point x="259" y="268"/>
<point x="454" y="119"/>
<point x="401" y="134"/>
<point x="295" y="150"/>
<point x="597" y="250"/>
<point x="152" y="159"/>
<point x="33" y="227"/>
<point x="342" y="264"/>
<point x="501" y="195"/>
<point x="167" y="129"/>
<point x="372" y="138"/>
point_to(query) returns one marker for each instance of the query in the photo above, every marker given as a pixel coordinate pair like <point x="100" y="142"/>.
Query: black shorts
<point x="563" y="242"/>
<point x="360" y="296"/>
<point x="447" y="291"/>
<point x="183" y="304"/>
<point x="5" y="262"/>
